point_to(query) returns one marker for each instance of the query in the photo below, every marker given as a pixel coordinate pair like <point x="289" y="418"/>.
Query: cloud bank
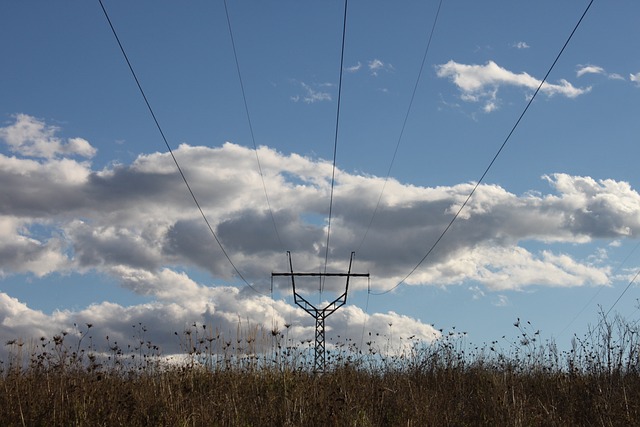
<point x="137" y="224"/>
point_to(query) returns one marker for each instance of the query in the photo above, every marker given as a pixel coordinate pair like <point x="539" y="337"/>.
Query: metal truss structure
<point x="320" y="314"/>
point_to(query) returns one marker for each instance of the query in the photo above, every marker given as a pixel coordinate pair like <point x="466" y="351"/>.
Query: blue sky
<point x="97" y="226"/>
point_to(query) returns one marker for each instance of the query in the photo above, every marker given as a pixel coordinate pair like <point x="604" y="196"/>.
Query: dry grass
<point x="445" y="383"/>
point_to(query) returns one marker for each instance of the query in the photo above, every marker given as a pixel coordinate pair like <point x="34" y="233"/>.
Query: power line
<point x="184" y="178"/>
<point x="495" y="157"/>
<point x="600" y="290"/>
<point x="623" y="292"/>
<point x="605" y="315"/>
<point x="335" y="142"/>
<point x="253" y="139"/>
<point x="404" y="124"/>
<point x="366" y="313"/>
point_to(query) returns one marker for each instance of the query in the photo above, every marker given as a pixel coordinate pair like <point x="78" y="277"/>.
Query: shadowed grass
<point x="448" y="382"/>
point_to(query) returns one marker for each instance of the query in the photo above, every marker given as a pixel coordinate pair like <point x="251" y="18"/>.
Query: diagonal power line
<point x="604" y="316"/>
<point x="404" y="125"/>
<point x="495" y="157"/>
<point x="395" y="152"/>
<point x="184" y="178"/>
<point x="619" y="267"/>
<point x="253" y="139"/>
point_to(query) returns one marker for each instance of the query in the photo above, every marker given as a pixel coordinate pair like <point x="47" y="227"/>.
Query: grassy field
<point x="64" y="381"/>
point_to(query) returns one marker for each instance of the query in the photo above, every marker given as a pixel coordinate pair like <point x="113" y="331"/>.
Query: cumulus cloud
<point x="138" y="216"/>
<point x="29" y="136"/>
<point x="23" y="253"/>
<point x="221" y="312"/>
<point x="136" y="224"/>
<point x="481" y="82"/>
<point x="635" y="78"/>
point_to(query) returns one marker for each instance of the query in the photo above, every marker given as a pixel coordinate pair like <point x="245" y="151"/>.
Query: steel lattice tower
<point x="320" y="314"/>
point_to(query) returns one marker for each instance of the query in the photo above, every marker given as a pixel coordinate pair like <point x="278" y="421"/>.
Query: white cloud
<point x="354" y="68"/>
<point x="489" y="107"/>
<point x="313" y="93"/>
<point x="31" y="137"/>
<point x="481" y="82"/>
<point x="511" y="268"/>
<point x="80" y="147"/>
<point x="147" y="224"/>
<point x="477" y="292"/>
<point x="521" y="45"/>
<point x="590" y="69"/>
<point x="635" y="78"/>
<point x="134" y="223"/>
<point x="376" y="65"/>
<point x="594" y="69"/>
<point x="23" y="253"/>
<point x="501" y="301"/>
<point x="136" y="217"/>
<point x="225" y="312"/>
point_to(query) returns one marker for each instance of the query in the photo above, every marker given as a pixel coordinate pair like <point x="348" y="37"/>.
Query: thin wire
<point x="366" y="311"/>
<point x="599" y="290"/>
<point x="253" y="139"/>
<point x="622" y="294"/>
<point x="184" y="178"/>
<point x="494" y="157"/>
<point x="604" y="317"/>
<point x="404" y="124"/>
<point x="335" y="142"/>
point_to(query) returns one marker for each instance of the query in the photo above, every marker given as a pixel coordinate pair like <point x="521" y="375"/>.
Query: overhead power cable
<point x="622" y="294"/>
<point x="253" y="139"/>
<point x="600" y="288"/>
<point x="603" y="319"/>
<point x="495" y="157"/>
<point x="404" y="124"/>
<point x="335" y="142"/>
<point x="184" y="178"/>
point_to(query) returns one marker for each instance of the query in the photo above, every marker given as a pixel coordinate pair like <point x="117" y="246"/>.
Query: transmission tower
<point x="319" y="314"/>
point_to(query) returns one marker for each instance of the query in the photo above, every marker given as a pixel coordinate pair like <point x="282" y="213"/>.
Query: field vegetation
<point x="264" y="379"/>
